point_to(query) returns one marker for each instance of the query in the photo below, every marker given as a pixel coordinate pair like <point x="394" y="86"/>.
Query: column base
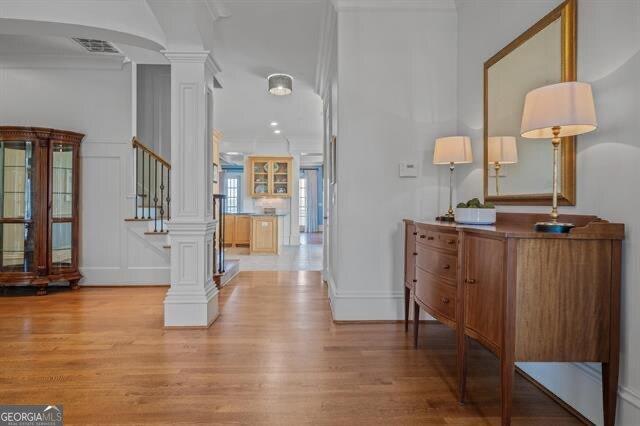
<point x="194" y="311"/>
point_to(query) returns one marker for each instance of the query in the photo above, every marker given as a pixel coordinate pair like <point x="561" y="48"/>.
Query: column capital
<point x="193" y="57"/>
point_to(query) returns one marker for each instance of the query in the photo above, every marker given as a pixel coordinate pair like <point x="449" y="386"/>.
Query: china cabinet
<point x="270" y="176"/>
<point x="39" y="206"/>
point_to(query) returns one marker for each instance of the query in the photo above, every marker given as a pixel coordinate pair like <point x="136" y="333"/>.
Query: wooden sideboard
<point x="524" y="295"/>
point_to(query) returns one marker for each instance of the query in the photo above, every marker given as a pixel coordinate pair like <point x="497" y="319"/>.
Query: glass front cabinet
<point x="270" y="176"/>
<point x="39" y="206"/>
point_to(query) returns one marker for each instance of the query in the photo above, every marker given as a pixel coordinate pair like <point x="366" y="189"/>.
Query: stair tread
<point x="156" y="232"/>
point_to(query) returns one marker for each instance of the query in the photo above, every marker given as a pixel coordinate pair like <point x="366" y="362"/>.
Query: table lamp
<point x="501" y="150"/>
<point x="556" y="111"/>
<point x="452" y="150"/>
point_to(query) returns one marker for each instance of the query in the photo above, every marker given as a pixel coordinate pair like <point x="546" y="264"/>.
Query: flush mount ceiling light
<point x="277" y="132"/>
<point x="274" y="123"/>
<point x="280" y="84"/>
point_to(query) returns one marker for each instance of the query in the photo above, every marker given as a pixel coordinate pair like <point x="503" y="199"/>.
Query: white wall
<point x="607" y="160"/>
<point x="397" y="93"/>
<point x="96" y="102"/>
<point x="154" y="108"/>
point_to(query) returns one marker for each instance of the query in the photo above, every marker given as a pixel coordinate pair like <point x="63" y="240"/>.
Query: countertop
<point x="256" y="214"/>
<point x="520" y="225"/>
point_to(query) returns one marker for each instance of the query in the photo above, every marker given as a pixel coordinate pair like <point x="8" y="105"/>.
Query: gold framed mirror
<point x="517" y="171"/>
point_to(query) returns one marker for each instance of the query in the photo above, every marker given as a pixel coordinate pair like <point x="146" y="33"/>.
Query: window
<point x="302" y="191"/>
<point x="232" y="185"/>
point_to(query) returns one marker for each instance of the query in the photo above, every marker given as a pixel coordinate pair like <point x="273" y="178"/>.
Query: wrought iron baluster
<point x="155" y="196"/>
<point x="169" y="194"/>
<point x="162" y="198"/>
<point x="149" y="194"/>
<point x="135" y="201"/>
<point x="143" y="192"/>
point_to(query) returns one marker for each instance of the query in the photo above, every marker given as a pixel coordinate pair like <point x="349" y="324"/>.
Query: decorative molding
<point x="629" y="394"/>
<point x="187" y="56"/>
<point x="217" y="9"/>
<point x="386" y="5"/>
<point x="62" y="61"/>
<point x="326" y="49"/>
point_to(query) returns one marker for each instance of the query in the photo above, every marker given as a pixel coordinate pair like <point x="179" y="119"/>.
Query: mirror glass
<point x="519" y="170"/>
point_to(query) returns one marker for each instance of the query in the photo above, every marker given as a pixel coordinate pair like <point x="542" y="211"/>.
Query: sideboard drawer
<point x="437" y="262"/>
<point x="435" y="294"/>
<point x="433" y="238"/>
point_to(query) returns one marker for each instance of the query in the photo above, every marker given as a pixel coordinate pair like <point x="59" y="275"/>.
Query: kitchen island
<point x="261" y="233"/>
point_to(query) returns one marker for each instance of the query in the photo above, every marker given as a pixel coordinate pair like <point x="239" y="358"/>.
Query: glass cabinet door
<point x="280" y="177"/>
<point x="260" y="184"/>
<point x="62" y="178"/>
<point x="17" y="199"/>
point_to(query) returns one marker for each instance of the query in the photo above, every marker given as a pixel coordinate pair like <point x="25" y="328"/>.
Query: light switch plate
<point x="408" y="170"/>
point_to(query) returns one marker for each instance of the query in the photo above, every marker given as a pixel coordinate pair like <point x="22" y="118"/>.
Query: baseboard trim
<point x="125" y="285"/>
<point x="554" y="397"/>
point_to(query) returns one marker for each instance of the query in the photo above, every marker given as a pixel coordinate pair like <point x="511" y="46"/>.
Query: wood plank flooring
<point x="273" y="357"/>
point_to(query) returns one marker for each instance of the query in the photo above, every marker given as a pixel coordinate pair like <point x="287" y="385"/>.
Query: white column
<point x="192" y="300"/>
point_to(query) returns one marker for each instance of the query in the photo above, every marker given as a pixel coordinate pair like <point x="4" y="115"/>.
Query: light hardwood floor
<point x="273" y="357"/>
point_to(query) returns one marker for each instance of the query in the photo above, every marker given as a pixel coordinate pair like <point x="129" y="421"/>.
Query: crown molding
<point x="326" y="49"/>
<point x="217" y="9"/>
<point x="62" y="61"/>
<point x="387" y="5"/>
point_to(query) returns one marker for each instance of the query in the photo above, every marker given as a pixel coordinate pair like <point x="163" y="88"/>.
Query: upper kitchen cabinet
<point x="270" y="176"/>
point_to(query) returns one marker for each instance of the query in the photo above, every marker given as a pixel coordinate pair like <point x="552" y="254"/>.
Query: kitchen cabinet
<point x="270" y="176"/>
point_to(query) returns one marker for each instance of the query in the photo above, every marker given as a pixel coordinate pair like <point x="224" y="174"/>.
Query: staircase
<point x="152" y="210"/>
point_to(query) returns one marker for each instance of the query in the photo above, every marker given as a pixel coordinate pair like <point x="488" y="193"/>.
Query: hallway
<point x="273" y="357"/>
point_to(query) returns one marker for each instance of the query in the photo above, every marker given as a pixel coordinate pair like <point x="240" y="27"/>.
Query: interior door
<point x="484" y="259"/>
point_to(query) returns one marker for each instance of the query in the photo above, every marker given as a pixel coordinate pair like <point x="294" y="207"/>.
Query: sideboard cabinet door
<point x="483" y="282"/>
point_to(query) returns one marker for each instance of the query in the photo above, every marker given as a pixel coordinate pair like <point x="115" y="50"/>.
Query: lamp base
<point x="553" y="227"/>
<point x="446" y="218"/>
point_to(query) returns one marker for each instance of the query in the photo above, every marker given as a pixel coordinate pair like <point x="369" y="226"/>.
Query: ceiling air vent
<point x="97" y="46"/>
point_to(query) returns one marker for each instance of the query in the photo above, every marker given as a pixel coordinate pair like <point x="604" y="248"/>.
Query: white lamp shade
<point x="502" y="150"/>
<point x="452" y="149"/>
<point x="566" y="105"/>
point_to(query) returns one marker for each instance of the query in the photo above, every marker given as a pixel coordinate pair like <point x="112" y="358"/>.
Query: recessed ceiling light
<point x="274" y="123"/>
<point x="277" y="131"/>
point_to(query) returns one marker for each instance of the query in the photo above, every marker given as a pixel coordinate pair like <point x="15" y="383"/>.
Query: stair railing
<point x="153" y="186"/>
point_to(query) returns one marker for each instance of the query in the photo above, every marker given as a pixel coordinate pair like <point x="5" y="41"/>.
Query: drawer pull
<point x="415" y="254"/>
<point x="445" y="300"/>
<point x="451" y="241"/>
<point x="446" y="267"/>
<point x="430" y="238"/>
<point x="414" y="280"/>
<point x="470" y="281"/>
<point x="415" y="233"/>
<point x="422" y="236"/>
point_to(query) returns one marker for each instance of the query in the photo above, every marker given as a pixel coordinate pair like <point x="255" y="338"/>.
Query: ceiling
<point x="259" y="38"/>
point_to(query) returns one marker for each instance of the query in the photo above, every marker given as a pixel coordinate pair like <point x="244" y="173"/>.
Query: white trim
<point x="217" y="9"/>
<point x="324" y="61"/>
<point x="62" y="61"/>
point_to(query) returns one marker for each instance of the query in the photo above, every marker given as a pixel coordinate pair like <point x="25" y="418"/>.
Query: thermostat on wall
<point x="408" y="170"/>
